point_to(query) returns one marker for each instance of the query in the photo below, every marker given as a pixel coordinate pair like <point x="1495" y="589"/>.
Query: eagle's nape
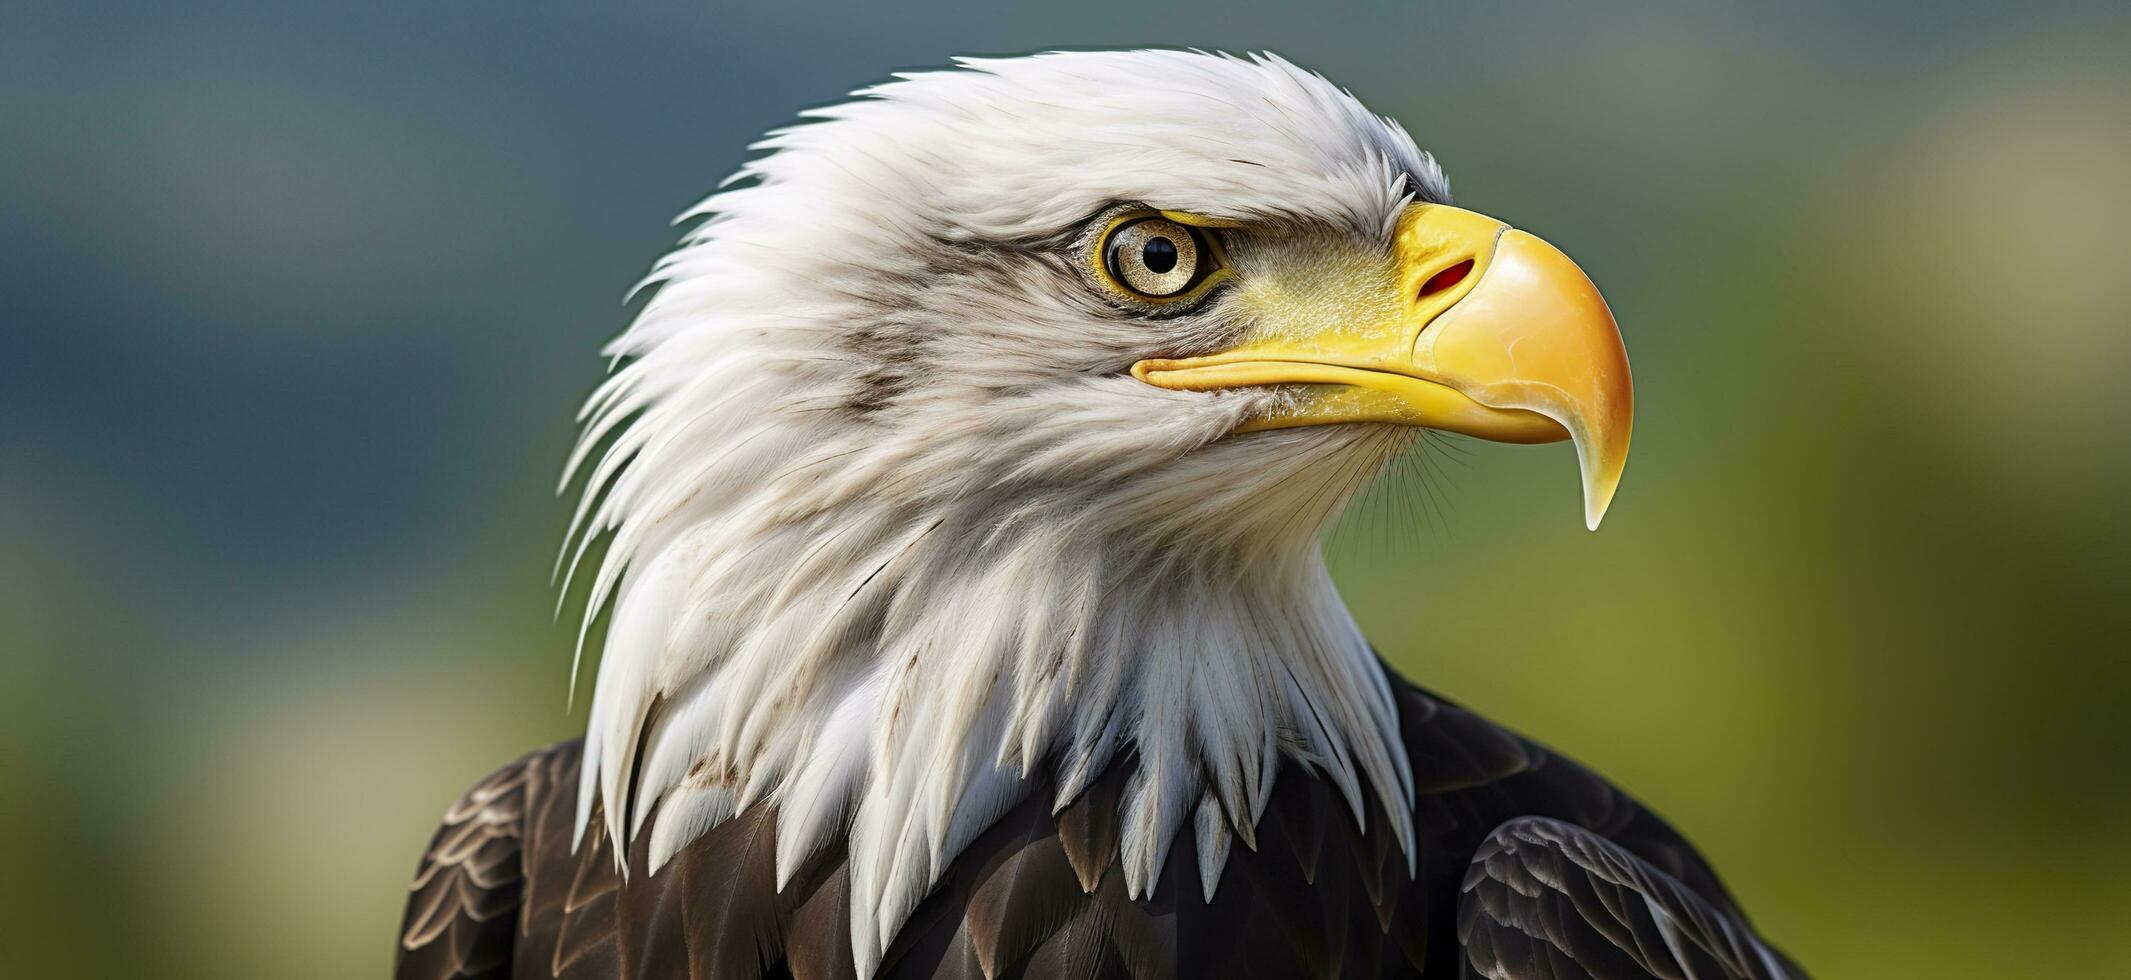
<point x="1529" y="866"/>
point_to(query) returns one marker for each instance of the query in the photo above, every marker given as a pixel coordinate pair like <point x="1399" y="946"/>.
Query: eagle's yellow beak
<point x="1492" y="333"/>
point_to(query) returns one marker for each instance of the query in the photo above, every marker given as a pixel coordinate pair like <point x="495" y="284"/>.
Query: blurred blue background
<point x="297" y="302"/>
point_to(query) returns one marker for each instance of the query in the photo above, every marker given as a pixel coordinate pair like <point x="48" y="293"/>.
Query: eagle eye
<point x="1155" y="259"/>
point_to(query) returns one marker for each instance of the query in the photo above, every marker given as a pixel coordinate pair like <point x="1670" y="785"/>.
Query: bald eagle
<point x="962" y="484"/>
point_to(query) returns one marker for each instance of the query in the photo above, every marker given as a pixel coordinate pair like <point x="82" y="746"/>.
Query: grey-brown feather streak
<point x="1529" y="866"/>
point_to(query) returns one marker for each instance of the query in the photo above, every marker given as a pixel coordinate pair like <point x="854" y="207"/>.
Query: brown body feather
<point x="1528" y="866"/>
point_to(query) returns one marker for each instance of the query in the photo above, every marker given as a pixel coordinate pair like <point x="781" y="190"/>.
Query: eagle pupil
<point x="1159" y="255"/>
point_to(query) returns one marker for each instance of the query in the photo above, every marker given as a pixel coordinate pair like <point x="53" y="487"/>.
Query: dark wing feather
<point x="568" y="927"/>
<point x="1023" y="897"/>
<point x="1088" y="829"/>
<point x="1511" y="841"/>
<point x="818" y="946"/>
<point x="463" y="905"/>
<point x="730" y="900"/>
<point x="1546" y="899"/>
<point x="1486" y="794"/>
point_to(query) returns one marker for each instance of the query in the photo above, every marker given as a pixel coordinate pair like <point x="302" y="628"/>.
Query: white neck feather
<point x="892" y="675"/>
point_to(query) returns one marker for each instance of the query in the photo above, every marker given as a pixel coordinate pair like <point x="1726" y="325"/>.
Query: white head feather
<point x="891" y="527"/>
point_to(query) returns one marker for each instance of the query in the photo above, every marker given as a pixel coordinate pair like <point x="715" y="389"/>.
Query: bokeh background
<point x="297" y="300"/>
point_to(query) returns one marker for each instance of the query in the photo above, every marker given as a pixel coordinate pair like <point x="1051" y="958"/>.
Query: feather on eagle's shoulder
<point x="1528" y="865"/>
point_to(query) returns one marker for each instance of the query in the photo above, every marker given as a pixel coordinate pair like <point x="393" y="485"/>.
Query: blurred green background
<point x="297" y="302"/>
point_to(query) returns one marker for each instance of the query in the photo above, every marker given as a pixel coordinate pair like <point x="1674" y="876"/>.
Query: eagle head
<point x="977" y="438"/>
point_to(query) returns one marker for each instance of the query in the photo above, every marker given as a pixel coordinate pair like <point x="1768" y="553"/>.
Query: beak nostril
<point x="1445" y="279"/>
